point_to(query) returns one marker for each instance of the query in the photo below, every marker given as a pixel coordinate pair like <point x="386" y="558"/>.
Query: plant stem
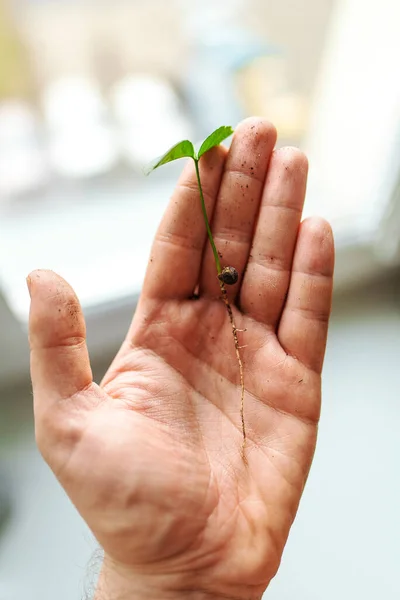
<point x="203" y="208"/>
<point x="229" y="310"/>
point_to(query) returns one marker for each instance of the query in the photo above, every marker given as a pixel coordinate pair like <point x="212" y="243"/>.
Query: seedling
<point x="227" y="275"/>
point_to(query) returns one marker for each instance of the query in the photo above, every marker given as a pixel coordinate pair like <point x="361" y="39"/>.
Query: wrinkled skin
<point x="152" y="458"/>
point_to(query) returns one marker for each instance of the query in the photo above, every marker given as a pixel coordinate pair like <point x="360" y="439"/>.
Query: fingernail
<point x="29" y="283"/>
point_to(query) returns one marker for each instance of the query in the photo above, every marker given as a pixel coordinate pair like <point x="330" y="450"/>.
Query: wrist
<point x="117" y="582"/>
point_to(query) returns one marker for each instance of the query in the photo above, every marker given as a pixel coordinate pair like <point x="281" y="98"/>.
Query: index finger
<point x="174" y="266"/>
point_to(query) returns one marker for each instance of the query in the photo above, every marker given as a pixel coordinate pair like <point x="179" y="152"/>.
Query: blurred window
<point x="90" y="91"/>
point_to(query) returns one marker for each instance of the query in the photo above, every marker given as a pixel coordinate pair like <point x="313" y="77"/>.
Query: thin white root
<point x="240" y="363"/>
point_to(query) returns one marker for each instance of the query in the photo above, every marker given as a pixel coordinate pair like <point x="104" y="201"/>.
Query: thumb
<point x="60" y="366"/>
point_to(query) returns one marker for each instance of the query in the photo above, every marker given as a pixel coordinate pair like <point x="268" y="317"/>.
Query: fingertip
<point x="255" y="126"/>
<point x="318" y="226"/>
<point x="294" y="161"/>
<point x="39" y="279"/>
<point x="55" y="313"/>
<point x="319" y="250"/>
<point x="215" y="156"/>
<point x="253" y="136"/>
<point x="211" y="160"/>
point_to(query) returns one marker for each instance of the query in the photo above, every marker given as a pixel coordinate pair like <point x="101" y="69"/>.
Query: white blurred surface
<point x="47" y="548"/>
<point x="150" y="117"/>
<point x="81" y="140"/>
<point x="23" y="164"/>
<point x="353" y="141"/>
<point x="100" y="243"/>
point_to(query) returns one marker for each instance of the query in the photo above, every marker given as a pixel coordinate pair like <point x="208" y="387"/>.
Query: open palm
<point x="152" y="457"/>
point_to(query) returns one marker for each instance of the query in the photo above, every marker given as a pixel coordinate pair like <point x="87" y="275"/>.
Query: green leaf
<point x="218" y="136"/>
<point x="181" y="150"/>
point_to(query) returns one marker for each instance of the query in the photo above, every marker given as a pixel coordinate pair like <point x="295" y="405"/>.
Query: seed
<point x="229" y="275"/>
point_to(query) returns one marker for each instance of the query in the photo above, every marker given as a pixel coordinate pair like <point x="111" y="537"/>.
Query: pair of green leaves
<point x="185" y="148"/>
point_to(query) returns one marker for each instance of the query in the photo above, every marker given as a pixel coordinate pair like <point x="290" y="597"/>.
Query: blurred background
<point x="90" y="91"/>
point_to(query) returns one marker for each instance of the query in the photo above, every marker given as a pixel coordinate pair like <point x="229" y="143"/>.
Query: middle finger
<point x="238" y="202"/>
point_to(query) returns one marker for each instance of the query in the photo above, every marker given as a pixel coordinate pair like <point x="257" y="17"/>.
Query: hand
<point x="152" y="457"/>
